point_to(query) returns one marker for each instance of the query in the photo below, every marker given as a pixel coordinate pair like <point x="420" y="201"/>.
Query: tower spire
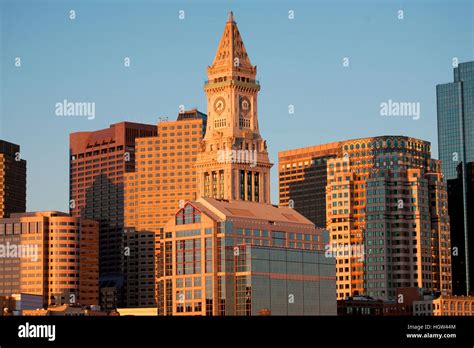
<point x="231" y="55"/>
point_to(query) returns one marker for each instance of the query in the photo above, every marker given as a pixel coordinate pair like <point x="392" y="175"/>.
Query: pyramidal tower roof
<point x="231" y="55"/>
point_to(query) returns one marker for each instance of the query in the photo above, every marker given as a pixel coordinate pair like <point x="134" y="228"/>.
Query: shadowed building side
<point x="98" y="163"/>
<point x="164" y="178"/>
<point x="12" y="180"/>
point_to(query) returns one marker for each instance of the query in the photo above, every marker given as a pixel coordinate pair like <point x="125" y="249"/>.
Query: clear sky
<point x="300" y="63"/>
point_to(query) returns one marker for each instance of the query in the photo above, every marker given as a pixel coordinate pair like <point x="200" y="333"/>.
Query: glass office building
<point x="283" y="282"/>
<point x="455" y="105"/>
<point x="243" y="259"/>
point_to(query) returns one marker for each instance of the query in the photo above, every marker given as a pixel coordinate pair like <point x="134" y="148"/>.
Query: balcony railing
<point x="257" y="82"/>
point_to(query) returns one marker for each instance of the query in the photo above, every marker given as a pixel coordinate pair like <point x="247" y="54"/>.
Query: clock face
<point x="219" y="105"/>
<point x="245" y="105"/>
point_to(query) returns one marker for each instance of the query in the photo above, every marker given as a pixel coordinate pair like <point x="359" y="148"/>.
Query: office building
<point x="164" y="176"/>
<point x="98" y="163"/>
<point x="139" y="268"/>
<point x="455" y="108"/>
<point x="164" y="172"/>
<point x="386" y="212"/>
<point x="241" y="258"/>
<point x="12" y="180"/>
<point x="303" y="180"/>
<point x="50" y="254"/>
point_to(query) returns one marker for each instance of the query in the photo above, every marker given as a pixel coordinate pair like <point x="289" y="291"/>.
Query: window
<point x="221" y="184"/>
<point x="188" y="258"/>
<point x="214" y="184"/>
<point x="244" y="122"/>
<point x="188" y="215"/>
<point x="256" y="187"/>
<point x="206" y="185"/>
<point x="249" y="186"/>
<point x="242" y="184"/>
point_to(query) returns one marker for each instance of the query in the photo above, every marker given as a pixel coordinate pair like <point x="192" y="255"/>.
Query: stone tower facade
<point x="233" y="163"/>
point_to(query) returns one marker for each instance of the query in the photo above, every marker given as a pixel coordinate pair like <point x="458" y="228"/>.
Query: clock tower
<point x="233" y="163"/>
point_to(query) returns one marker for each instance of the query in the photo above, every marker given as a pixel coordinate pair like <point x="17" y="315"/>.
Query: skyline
<point x="140" y="140"/>
<point x="182" y="82"/>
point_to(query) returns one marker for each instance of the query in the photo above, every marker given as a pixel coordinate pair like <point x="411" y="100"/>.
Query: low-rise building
<point x="66" y="310"/>
<point x="360" y="306"/>
<point x="138" y="311"/>
<point x="17" y="303"/>
<point x="445" y="306"/>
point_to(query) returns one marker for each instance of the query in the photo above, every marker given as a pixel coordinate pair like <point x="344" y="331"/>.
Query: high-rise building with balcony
<point x="386" y="213"/>
<point x="455" y="107"/>
<point x="12" y="179"/>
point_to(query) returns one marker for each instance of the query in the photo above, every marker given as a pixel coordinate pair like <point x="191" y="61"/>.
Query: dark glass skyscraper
<point x="455" y="103"/>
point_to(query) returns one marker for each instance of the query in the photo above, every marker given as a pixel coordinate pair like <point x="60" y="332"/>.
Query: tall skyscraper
<point x="455" y="104"/>
<point x="164" y="172"/>
<point x="231" y="252"/>
<point x="386" y="213"/>
<point x="12" y="179"/>
<point x="50" y="254"/>
<point x="164" y="176"/>
<point x="98" y="163"/>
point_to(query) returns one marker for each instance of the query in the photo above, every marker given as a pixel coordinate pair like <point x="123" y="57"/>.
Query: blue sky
<point x="299" y="63"/>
